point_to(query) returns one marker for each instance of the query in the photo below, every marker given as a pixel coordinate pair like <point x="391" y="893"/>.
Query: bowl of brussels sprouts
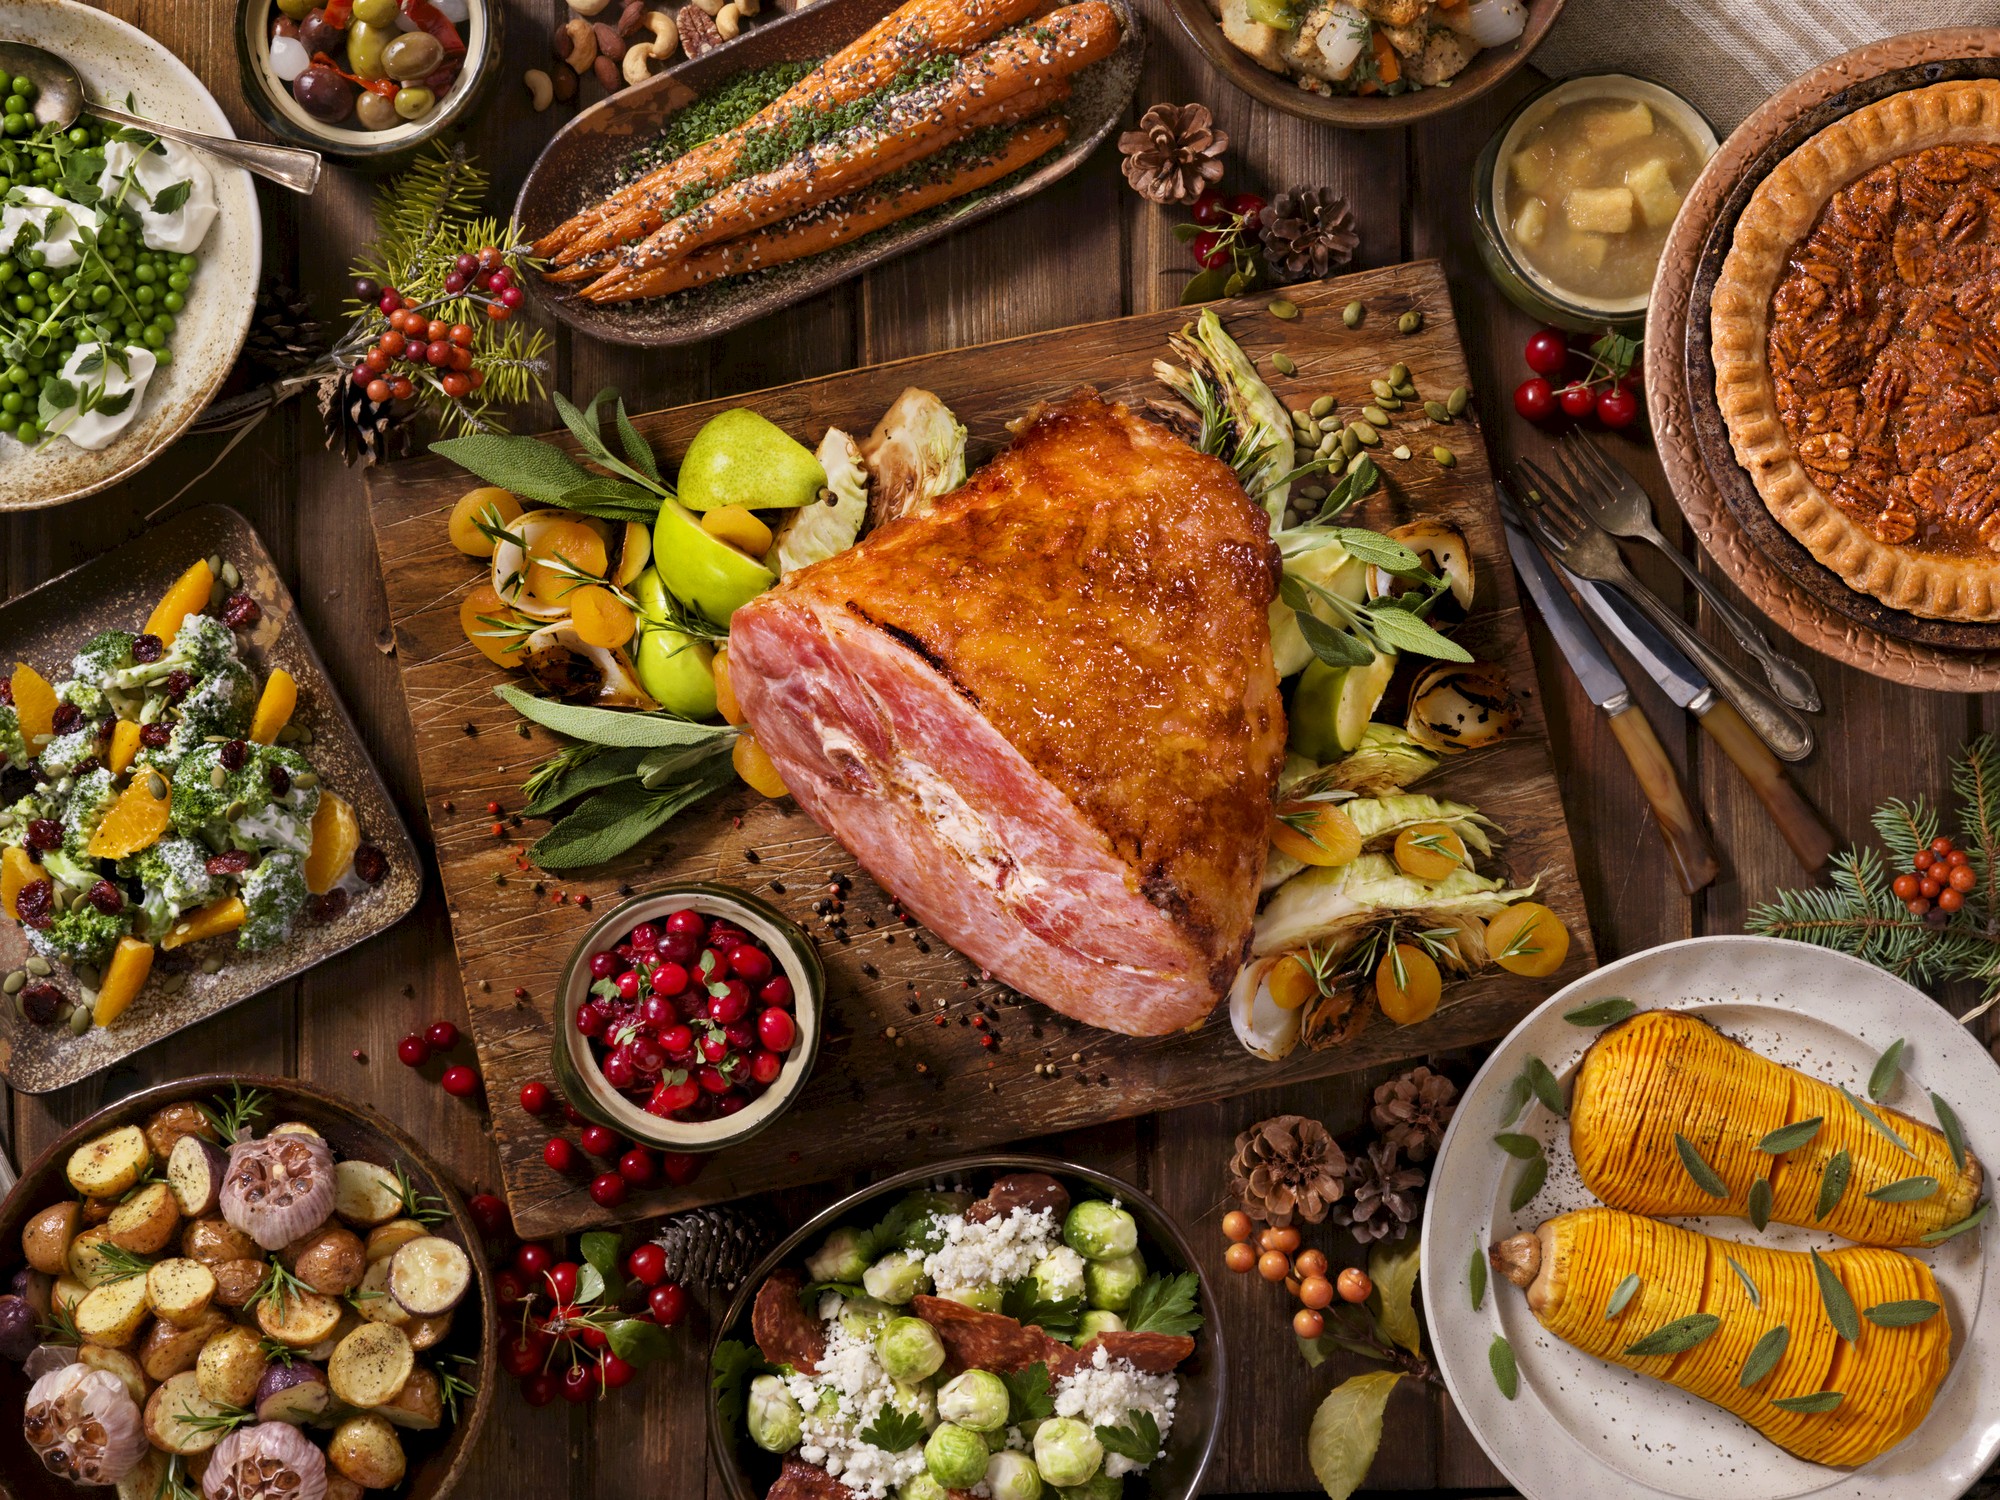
<point x="1015" y="1322"/>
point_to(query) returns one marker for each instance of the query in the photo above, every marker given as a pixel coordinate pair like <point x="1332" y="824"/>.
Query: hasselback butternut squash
<point x="1665" y="1074"/>
<point x="1575" y="1269"/>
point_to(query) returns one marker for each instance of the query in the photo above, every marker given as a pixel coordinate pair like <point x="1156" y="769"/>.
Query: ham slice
<point x="1044" y="715"/>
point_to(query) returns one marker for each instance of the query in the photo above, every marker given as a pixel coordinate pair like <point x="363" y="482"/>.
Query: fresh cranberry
<point x="534" y="1096"/>
<point x="648" y="1056"/>
<point x="35" y="903"/>
<point x="714" y="1048"/>
<point x="777" y="1030"/>
<point x="687" y="920"/>
<point x="1548" y="352"/>
<point x="751" y="964"/>
<point x="618" y="1070"/>
<point x="731" y="1004"/>
<point x="148" y="648"/>
<point x="371" y="864"/>
<point x="777" y="990"/>
<point x="681" y="1167"/>
<point x="603" y="965"/>
<point x="600" y="1142"/>
<point x="667" y="1303"/>
<point x="45" y="833"/>
<point x="677" y="1039"/>
<point x="636" y="1166"/>
<point x="155" y="736"/>
<point x="1577" y="400"/>
<point x="616" y="1372"/>
<point x="628" y="985"/>
<point x="712" y="1080"/>
<point x="460" y="1081"/>
<point x="41" y="1002"/>
<point x="668" y="978"/>
<point x="765" y="1066"/>
<point x="559" y="1154"/>
<point x="572" y="1114"/>
<point x="730" y="1103"/>
<point x="441" y="1035"/>
<point x="1535" y="399"/>
<point x="590" y="1019"/>
<point x="231" y="862"/>
<point x="740" y="1034"/>
<point x="414" y="1051"/>
<point x="669" y="1099"/>
<point x="608" y="1189"/>
<point x="579" y="1384"/>
<point x="679" y="947"/>
<point x="645" y="937"/>
<point x="539" y="1389"/>
<point x="724" y="935"/>
<point x="1617" y="407"/>
<point x="532" y="1258"/>
<point x="489" y="1212"/>
<point x="656" y="1011"/>
<point x="509" y="1286"/>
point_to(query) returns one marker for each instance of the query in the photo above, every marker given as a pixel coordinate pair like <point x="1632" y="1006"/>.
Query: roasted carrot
<point x="1387" y="65"/>
<point x="908" y="35"/>
<point x="845" y="220"/>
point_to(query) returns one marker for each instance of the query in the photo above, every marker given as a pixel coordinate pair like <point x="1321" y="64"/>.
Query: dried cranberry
<point x="45" y="833"/>
<point x="148" y="648"/>
<point x="36" y="903"/>
<point x="371" y="864"/>
<point x="85" y="766"/>
<point x="231" y="862"/>
<point x="179" y="683"/>
<point x="155" y="736"/>
<point x="6" y="690"/>
<point x="241" y="612"/>
<point x="104" y="728"/>
<point x="280" y="780"/>
<point x="67" y="716"/>
<point x="107" y="898"/>
<point x="329" y="908"/>
<point x="41" y="1002"/>
<point x="233" y="755"/>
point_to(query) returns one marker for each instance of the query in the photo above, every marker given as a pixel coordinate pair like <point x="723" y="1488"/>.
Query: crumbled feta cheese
<point x="1103" y="1392"/>
<point x="998" y="1252"/>
<point x="840" y="1403"/>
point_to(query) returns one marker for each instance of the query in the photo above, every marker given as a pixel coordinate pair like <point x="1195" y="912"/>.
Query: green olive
<point x="380" y="13"/>
<point x="298" y="10"/>
<point x="413" y="55"/>
<point x="365" y="45"/>
<point x="375" y="112"/>
<point x="413" y="101"/>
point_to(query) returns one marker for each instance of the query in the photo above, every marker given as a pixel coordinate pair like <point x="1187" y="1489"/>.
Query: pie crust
<point x="1924" y="542"/>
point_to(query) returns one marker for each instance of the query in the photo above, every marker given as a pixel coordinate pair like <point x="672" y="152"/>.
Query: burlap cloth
<point x="1728" y="56"/>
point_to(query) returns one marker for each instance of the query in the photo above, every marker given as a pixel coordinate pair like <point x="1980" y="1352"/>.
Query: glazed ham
<point x="1044" y="715"/>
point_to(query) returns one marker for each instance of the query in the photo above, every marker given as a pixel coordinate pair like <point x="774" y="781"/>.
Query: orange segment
<point x="725" y="699"/>
<point x="17" y="870"/>
<point x="500" y="632"/>
<point x="756" y="767"/>
<point x="124" y="977"/>
<point x="212" y="920"/>
<point x="488" y="505"/>
<point x="34" y="705"/>
<point x="600" y="618"/>
<point x="1527" y="938"/>
<point x="573" y="542"/>
<point x="188" y="595"/>
<point x="336" y="834"/>
<point x="274" y="706"/>
<point x="124" y="746"/>
<point x="136" y="821"/>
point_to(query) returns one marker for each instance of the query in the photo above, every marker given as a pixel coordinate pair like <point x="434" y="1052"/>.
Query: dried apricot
<point x="725" y="699"/>
<point x="1292" y="982"/>
<point x="125" y="743"/>
<point x="600" y="617"/>
<point x="336" y="834"/>
<point x="488" y="507"/>
<point x="124" y="977"/>
<point x="188" y="596"/>
<point x="1527" y="938"/>
<point x="274" y="706"/>
<point x="212" y="920"/>
<point x="560" y="550"/>
<point x="17" y="871"/>
<point x="738" y="525"/>
<point x="1429" y="851"/>
<point x="134" y="822"/>
<point x="1315" y="833"/>
<point x="34" y="705"/>
<point x="499" y="631"/>
<point x="754" y="764"/>
<point x="1408" y="985"/>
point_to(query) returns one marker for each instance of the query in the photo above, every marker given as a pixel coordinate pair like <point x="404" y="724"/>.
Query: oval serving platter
<point x="580" y="166"/>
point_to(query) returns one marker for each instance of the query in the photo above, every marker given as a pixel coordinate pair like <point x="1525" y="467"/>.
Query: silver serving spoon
<point x="59" y="99"/>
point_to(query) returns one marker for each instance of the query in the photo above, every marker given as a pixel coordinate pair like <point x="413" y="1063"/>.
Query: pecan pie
<point x="1856" y="333"/>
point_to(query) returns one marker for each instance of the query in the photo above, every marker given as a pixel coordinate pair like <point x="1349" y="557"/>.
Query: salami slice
<point x="976" y="1340"/>
<point x="799" y="1480"/>
<point x="1033" y="1191"/>
<point x="1155" y="1353"/>
<point x="786" y="1333"/>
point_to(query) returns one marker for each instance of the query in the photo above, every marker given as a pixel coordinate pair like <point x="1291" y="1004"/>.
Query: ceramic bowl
<point x="747" y="1471"/>
<point x="1355" y="111"/>
<point x="271" y="97"/>
<point x="436" y="1458"/>
<point x="116" y="59"/>
<point x="576" y="1069"/>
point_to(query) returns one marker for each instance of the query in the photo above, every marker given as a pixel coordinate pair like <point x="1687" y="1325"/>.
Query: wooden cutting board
<point x="933" y="1089"/>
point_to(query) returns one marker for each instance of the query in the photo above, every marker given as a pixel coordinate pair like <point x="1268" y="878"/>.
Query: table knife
<point x="1687" y="840"/>
<point x="1799" y="822"/>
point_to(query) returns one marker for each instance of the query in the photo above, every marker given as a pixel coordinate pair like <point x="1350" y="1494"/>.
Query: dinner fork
<point x="1613" y="499"/>
<point x="1588" y="552"/>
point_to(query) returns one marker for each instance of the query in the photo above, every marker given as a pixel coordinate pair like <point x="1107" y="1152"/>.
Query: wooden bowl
<point x="1352" y="111"/>
<point x="436" y="1459"/>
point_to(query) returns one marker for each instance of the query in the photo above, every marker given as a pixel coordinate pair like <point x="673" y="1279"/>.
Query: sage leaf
<point x="637" y="449"/>
<point x="1791" y="1137"/>
<point x="1334" y="647"/>
<point x="1543" y="1082"/>
<point x="1952" y="1231"/>
<point x="1705" y="1177"/>
<point x="1676" y="1337"/>
<point x="1515" y="1099"/>
<point x="1383" y="552"/>
<point x="1905" y="1190"/>
<point x="1833" y="1183"/>
<point x="1764" y="1356"/>
<point x="1506" y="1372"/>
<point x="1760" y="1204"/>
<point x="1953" y="1128"/>
<point x="1749" y="1287"/>
<point x="1888" y="1068"/>
<point x="608" y="823"/>
<point x="585" y="427"/>
<point x="1606" y="1012"/>
<point x="1394" y="1272"/>
<point x="1621" y="1296"/>
<point x="1813" y="1405"/>
<point x="1876" y="1123"/>
<point x="1520" y="1147"/>
<point x="1529" y="1183"/>
<point x="617" y="727"/>
<point x="587" y="773"/>
<point x="1346" y="1431"/>
<point x="1839" y="1305"/>
<point x="1402" y="631"/>
<point x="1476" y="1277"/>
<point x="532" y="469"/>
<point x="663" y="767"/>
<point x="1901" y="1314"/>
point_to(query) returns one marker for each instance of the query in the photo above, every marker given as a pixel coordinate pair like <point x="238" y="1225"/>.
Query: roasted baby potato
<point x="376" y="1305"/>
<point x="427" y="1333"/>
<point x="107" y="1166"/>
<point x="371" y="1365"/>
<point x="215" y="1239"/>
<point x="87" y="1262"/>
<point x="236" y="1281"/>
<point x="419" y="1405"/>
<point x="166" y="1127"/>
<point x="46" y="1238"/>
<point x="118" y="1363"/>
<point x="387" y="1239"/>
<point x="298" y="1319"/>
<point x="366" y="1450"/>
<point x="230" y="1365"/>
<point x="114" y="1312"/>
<point x="330" y="1260"/>
<point x="181" y="1290"/>
<point x="145" y="1222"/>
<point x="366" y="1195"/>
<point x="180" y="1419"/>
<point x="166" y="1350"/>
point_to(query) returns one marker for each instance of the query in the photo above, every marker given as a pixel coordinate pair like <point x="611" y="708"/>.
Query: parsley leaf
<point x="1028" y="1398"/>
<point x="1165" y="1304"/>
<point x="1023" y="1303"/>
<point x="730" y="1369"/>
<point x="894" y="1429"/>
<point x="810" y="1293"/>
<point x="1138" y="1439"/>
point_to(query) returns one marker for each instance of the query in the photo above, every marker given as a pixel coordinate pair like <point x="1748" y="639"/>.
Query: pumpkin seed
<point x="1374" y="416"/>
<point x="173" y="983"/>
<point x="88" y="976"/>
<point x="1436" y="411"/>
<point x="305" y="735"/>
<point x="1399" y="374"/>
<point x="287" y="735"/>
<point x="1352" y="314"/>
<point x="1407" y="390"/>
<point x="306" y="779"/>
<point x="215" y="563"/>
<point x="1410" y="321"/>
<point x="1313" y="492"/>
<point x="1330" y="424"/>
<point x="79" y="1019"/>
<point x="218" y="778"/>
<point x="1446" y="459"/>
<point x="1390" y="403"/>
<point x="235" y="810"/>
<point x="1282" y="363"/>
<point x="16" y="982"/>
<point x="1364" y="434"/>
<point x="1321" y="407"/>
<point x="1382" y="388"/>
<point x="1455" y="402"/>
<point x="1354" y="464"/>
<point x="20" y="1008"/>
<point x="156" y="784"/>
<point x="1299" y="414"/>
<point x="211" y="965"/>
<point x="1349" y="443"/>
<point x="230" y="577"/>
<point x="39" y="967"/>
<point x="1402" y="451"/>
<point x="1283" y="310"/>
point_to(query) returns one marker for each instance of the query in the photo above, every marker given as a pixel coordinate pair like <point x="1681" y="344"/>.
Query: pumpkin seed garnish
<point x="1543" y="1082"/>
<point x="1676" y="1337"/>
<point x="1283" y="364"/>
<point x="1839" y="1305"/>
<point x="1352" y="314"/>
<point x="1888" y="1068"/>
<point x="1374" y="416"/>
<point x="16" y="982"/>
<point x="1606" y="1012"/>
<point x="1791" y="1137"/>
<point x="1533" y="1175"/>
<point x="1410" y="321"/>
<point x="1320" y="407"/>
<point x="1952" y="1231"/>
<point x="1435" y="410"/>
<point x="1832" y="1184"/>
<point x="1875" y="1121"/>
<point x="1705" y="1177"/>
<point x="1953" y="1128"/>
<point x="1621" y="1296"/>
<point x="1383" y="389"/>
<point x="1399" y="374"/>
<point x="1477" y="1277"/>
<point x="1455" y="402"/>
<point x="1813" y="1405"/>
<point x="1506" y="1373"/>
<point x="39" y="967"/>
<point x="1401" y="450"/>
<point x="1446" y="459"/>
<point x="1363" y="434"/>
<point x="1520" y="1147"/>
<point x="1282" y="309"/>
<point x="1901" y="1314"/>
<point x="1905" y="1190"/>
<point x="1764" y="1355"/>
<point x="1749" y="1287"/>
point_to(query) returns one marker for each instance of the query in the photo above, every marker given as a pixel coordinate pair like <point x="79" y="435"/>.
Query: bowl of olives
<point x="365" y="81"/>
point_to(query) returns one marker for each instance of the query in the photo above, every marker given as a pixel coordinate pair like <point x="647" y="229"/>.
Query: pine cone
<point x="284" y="335"/>
<point x="1412" y="1111"/>
<point x="356" y="426"/>
<point x="1175" y="152"/>
<point x="1306" y="233"/>
<point x="1384" y="1196"/>
<point x="713" y="1249"/>
<point x="1285" y="1166"/>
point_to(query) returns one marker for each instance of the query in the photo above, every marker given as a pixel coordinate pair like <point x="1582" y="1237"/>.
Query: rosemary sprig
<point x="453" y="1387"/>
<point x="59" y="1327"/>
<point x="119" y="1263"/>
<point x="233" y="1116"/>
<point x="223" y="1420"/>
<point x="275" y="1353"/>
<point x="281" y="1284"/>
<point x="425" y="1208"/>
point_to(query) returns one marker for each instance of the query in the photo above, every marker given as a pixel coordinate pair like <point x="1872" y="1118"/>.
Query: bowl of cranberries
<point x="690" y="1018"/>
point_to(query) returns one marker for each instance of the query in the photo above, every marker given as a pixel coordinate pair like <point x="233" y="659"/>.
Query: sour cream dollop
<point x="154" y="171"/>
<point x="96" y="429"/>
<point x="58" y="225"/>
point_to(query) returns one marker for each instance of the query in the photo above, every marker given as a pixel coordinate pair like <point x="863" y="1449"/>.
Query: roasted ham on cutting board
<point x="1044" y="715"/>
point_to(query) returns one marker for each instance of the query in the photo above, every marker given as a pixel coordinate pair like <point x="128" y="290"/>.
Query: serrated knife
<point x="1687" y="840"/>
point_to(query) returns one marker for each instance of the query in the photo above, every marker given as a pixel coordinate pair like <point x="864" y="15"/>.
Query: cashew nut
<point x="541" y="88"/>
<point x="666" y="33"/>
<point x="729" y="20"/>
<point x="712" y="7"/>
<point x="609" y="43"/>
<point x="750" y="7"/>
<point x="588" y="7"/>
<point x="576" y="43"/>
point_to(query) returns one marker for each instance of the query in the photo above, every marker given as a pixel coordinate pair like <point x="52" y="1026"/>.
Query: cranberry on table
<point x="534" y="1096"/>
<point x="682" y="1167"/>
<point x="489" y="1212"/>
<point x="777" y="1030"/>
<point x="460" y="1081"/>
<point x="441" y="1035"/>
<point x="414" y="1051"/>
<point x="608" y="1189"/>
<point x="559" y="1154"/>
<point x="638" y="1167"/>
<point x="1535" y="399"/>
<point x="1547" y="352"/>
<point x="667" y="1303"/>
<point x="647" y="1265"/>
<point x="599" y="1141"/>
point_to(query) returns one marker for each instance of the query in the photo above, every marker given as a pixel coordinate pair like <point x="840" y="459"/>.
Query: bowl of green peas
<point x="128" y="265"/>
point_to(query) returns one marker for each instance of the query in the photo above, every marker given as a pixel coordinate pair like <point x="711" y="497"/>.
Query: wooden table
<point x="1098" y="251"/>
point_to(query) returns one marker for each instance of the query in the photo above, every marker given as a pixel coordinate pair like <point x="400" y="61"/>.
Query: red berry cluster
<point x="1607" y="389"/>
<point x="635" y="1166"/>
<point x="419" y="342"/>
<point x="1939" y="884"/>
<point x="460" y="1080"/>
<point x="1228" y="227"/>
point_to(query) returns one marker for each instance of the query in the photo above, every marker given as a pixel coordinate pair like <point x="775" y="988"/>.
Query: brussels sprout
<point x="1059" y="1275"/>
<point x="863" y="1318"/>
<point x="1097" y="1321"/>
<point x="1013" y="1476"/>
<point x="985" y="1298"/>
<point x="773" y="1416"/>
<point x="956" y="1456"/>
<point x="923" y="1487"/>
<point x="1066" y="1451"/>
<point x="1109" y="1284"/>
<point x="975" y="1399"/>
<point x="1100" y="1486"/>
<point x="841" y="1258"/>
<point x="1097" y="1230"/>
<point x="916" y="1398"/>
<point x="909" y="1349"/>
<point x="896" y="1277"/>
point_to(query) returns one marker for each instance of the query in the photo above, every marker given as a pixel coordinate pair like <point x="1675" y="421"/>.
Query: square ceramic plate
<point x="44" y="628"/>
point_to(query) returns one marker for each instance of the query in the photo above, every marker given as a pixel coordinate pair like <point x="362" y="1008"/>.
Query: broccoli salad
<point x="1011" y="1347"/>
<point x="155" y="796"/>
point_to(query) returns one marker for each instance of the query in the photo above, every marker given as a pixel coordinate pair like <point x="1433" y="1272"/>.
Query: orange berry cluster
<point x="1939" y="884"/>
<point x="1277" y="1256"/>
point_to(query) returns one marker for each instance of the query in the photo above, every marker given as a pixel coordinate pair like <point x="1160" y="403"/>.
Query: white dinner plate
<point x="1581" y="1427"/>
